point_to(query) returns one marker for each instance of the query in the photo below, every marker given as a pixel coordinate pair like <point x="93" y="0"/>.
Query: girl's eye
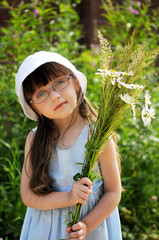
<point x="40" y="94"/>
<point x="59" y="83"/>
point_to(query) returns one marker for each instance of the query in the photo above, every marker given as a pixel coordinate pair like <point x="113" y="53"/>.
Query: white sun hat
<point x="34" y="61"/>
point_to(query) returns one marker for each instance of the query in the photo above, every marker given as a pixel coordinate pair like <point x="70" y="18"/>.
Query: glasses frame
<point x="53" y="88"/>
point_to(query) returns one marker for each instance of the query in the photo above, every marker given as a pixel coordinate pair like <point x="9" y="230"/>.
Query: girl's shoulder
<point x="30" y="137"/>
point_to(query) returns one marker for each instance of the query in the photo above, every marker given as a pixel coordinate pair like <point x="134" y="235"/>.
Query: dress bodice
<point x="50" y="224"/>
<point x="64" y="164"/>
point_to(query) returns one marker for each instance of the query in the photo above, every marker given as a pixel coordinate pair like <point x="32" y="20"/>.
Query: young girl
<point x="51" y="91"/>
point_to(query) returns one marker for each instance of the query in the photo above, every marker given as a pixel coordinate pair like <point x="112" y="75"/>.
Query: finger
<point x="76" y="235"/>
<point x="76" y="238"/>
<point x="77" y="226"/>
<point x="81" y="201"/>
<point x="85" y="189"/>
<point x="86" y="181"/>
<point x="68" y="229"/>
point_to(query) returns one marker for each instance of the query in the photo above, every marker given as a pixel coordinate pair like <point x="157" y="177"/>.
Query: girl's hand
<point x="80" y="191"/>
<point x="77" y="231"/>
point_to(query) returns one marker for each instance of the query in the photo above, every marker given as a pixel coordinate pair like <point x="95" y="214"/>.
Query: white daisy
<point x="137" y="86"/>
<point x="113" y="80"/>
<point x="119" y="79"/>
<point x="113" y="73"/>
<point x="126" y="85"/>
<point x="147" y="114"/>
<point x="99" y="73"/>
<point x="147" y="98"/>
<point x="101" y="70"/>
<point x="126" y="98"/>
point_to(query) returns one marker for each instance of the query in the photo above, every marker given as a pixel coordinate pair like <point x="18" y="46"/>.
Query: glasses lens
<point x="61" y="83"/>
<point x="40" y="96"/>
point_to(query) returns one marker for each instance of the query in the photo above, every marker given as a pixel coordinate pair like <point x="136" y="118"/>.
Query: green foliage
<point x="123" y="20"/>
<point x="131" y="16"/>
<point x="42" y="25"/>
<point x="140" y="158"/>
<point x="138" y="145"/>
<point x="11" y="208"/>
<point x="54" y="27"/>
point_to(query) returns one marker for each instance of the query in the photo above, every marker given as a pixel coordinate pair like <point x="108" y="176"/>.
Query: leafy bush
<point x="44" y="25"/>
<point x="131" y="16"/>
<point x="138" y="145"/>
<point x="41" y="25"/>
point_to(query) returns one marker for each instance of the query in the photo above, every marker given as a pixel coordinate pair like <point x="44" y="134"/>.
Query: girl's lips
<point x="60" y="105"/>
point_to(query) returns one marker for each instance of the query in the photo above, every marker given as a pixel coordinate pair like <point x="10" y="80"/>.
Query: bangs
<point x="42" y="76"/>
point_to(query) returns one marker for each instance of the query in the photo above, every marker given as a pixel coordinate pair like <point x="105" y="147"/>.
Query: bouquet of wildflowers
<point x="119" y="92"/>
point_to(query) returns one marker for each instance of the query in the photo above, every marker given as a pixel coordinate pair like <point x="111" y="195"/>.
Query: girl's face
<point x="60" y="104"/>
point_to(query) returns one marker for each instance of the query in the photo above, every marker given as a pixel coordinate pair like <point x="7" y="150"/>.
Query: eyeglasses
<point x="61" y="83"/>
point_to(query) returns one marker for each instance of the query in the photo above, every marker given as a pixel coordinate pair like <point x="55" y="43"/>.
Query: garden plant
<point x="55" y="27"/>
<point x="138" y="145"/>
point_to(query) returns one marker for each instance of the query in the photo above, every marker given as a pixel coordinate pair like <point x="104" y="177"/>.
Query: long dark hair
<point x="47" y="133"/>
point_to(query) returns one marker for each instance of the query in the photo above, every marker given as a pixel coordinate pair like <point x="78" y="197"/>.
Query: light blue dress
<point x="50" y="224"/>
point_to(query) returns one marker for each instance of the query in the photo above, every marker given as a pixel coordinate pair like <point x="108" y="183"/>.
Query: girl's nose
<point x="54" y="96"/>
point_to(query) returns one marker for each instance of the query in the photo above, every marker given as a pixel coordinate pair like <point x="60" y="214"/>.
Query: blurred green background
<point x="42" y="26"/>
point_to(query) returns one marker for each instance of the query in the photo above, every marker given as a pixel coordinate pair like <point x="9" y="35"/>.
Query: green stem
<point x="77" y="213"/>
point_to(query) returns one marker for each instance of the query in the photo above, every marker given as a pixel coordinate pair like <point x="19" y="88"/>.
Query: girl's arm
<point x="79" y="192"/>
<point x="111" y="197"/>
